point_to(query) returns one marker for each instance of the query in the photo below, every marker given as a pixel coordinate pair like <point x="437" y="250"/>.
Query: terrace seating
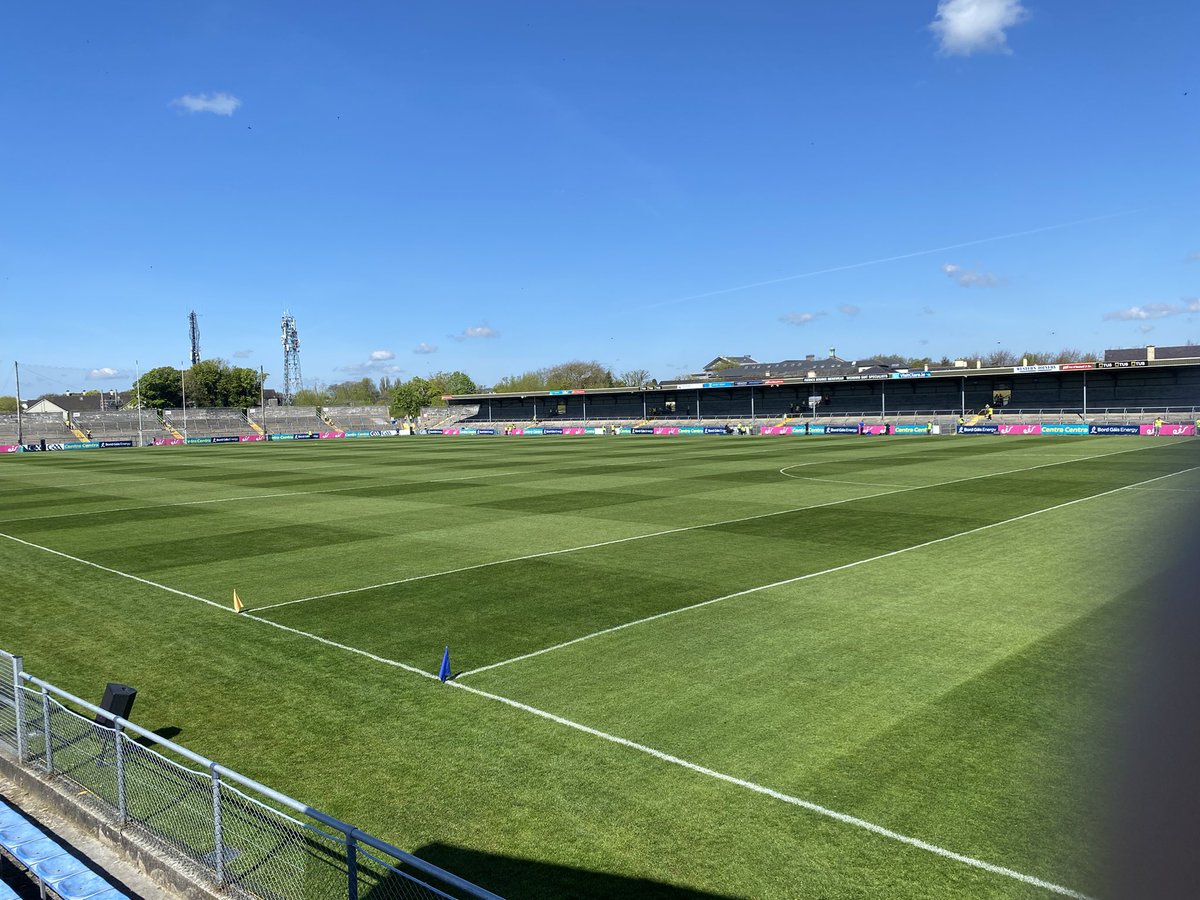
<point x="288" y="419"/>
<point x="47" y="863"/>
<point x="210" y="422"/>
<point x="113" y="425"/>
<point x="358" y="418"/>
<point x="35" y="427"/>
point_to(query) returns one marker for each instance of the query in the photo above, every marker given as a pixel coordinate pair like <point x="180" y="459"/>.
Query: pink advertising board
<point x="1020" y="429"/>
<point x="9" y="448"/>
<point x="333" y="434"/>
<point x="666" y="429"/>
<point x="167" y="442"/>
<point x="1171" y="430"/>
<point x="776" y="429"/>
<point x="246" y="438"/>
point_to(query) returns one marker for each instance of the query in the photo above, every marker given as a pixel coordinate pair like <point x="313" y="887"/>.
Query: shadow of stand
<point x="515" y="878"/>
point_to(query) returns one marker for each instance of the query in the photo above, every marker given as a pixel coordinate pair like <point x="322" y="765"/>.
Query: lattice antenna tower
<point x="194" y="334"/>
<point x="291" y="358"/>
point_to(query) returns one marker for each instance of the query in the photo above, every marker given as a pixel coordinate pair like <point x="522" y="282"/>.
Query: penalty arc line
<point x="844" y="818"/>
<point x="810" y="575"/>
<point x="682" y="529"/>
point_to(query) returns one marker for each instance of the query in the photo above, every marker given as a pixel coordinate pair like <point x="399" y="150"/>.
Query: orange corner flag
<point x="238" y="606"/>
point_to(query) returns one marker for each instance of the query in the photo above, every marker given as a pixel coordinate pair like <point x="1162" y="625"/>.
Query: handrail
<point x="350" y="831"/>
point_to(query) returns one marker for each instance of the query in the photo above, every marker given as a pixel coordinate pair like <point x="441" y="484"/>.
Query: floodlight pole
<point x="1085" y="396"/>
<point x="262" y="397"/>
<point x="138" y="383"/>
<point x="20" y="432"/>
<point x="183" y="390"/>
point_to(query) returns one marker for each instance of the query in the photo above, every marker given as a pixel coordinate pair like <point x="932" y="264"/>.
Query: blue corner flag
<point x="444" y="670"/>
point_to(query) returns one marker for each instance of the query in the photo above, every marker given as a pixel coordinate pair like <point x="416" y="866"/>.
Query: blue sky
<point x="495" y="186"/>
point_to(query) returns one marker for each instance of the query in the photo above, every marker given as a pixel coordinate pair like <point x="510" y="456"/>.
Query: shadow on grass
<point x="519" y="878"/>
<point x="167" y="733"/>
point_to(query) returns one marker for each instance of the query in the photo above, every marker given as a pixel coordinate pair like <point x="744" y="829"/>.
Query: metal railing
<point x="244" y="838"/>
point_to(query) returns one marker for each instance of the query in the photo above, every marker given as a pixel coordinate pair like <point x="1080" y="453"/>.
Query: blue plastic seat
<point x="7" y="893"/>
<point x="83" y="886"/>
<point x="31" y="853"/>
<point x="53" y="870"/>
<point x="9" y="816"/>
<point x="20" y="833"/>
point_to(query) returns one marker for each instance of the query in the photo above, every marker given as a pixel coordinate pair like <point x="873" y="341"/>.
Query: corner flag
<point x="238" y="606"/>
<point x="444" y="669"/>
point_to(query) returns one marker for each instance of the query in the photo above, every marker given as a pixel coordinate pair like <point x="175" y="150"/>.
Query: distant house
<point x="77" y="402"/>
<point x="1150" y="353"/>
<point x="746" y="368"/>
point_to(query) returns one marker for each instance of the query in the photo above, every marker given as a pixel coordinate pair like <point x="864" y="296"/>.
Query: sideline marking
<point x="658" y="754"/>
<point x="220" y="606"/>
<point x="654" y="534"/>
<point x="779" y="795"/>
<point x="798" y="578"/>
<point x="95" y="565"/>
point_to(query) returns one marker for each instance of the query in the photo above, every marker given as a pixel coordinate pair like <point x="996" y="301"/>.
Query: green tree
<point x="310" y="397"/>
<point x="408" y="397"/>
<point x="455" y="382"/>
<point x="239" y="387"/>
<point x="8" y="404"/>
<point x="354" y="393"/>
<point x="160" y="388"/>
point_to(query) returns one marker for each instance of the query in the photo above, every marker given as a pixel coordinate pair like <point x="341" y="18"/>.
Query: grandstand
<point x="213" y="422"/>
<point x="286" y="419"/>
<point x="35" y="427"/>
<point x="358" y="418"/>
<point x="113" y="425"/>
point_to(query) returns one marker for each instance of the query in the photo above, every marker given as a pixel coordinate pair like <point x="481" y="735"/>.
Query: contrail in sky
<point x="886" y="259"/>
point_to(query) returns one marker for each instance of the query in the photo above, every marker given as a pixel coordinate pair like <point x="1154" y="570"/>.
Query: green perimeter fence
<point x="242" y="837"/>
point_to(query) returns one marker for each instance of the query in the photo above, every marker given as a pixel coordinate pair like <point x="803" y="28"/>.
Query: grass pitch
<point x="732" y="667"/>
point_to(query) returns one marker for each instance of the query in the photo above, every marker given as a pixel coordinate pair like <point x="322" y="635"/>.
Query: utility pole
<point x="20" y="432"/>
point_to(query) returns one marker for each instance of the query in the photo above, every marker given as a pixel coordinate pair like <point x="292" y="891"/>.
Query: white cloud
<point x="1145" y="329"/>
<point x="1149" y="311"/>
<point x="220" y="103"/>
<point x="242" y="354"/>
<point x="424" y="348"/>
<point x="964" y="27"/>
<point x="381" y="355"/>
<point x="476" y="331"/>
<point x="802" y="318"/>
<point x="1194" y="256"/>
<point x="971" y="277"/>
<point x="849" y="309"/>
<point x="1193" y="305"/>
<point x="104" y="374"/>
<point x="371" y="367"/>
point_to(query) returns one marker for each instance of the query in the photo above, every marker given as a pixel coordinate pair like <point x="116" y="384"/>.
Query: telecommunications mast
<point x="291" y="359"/>
<point x="194" y="333"/>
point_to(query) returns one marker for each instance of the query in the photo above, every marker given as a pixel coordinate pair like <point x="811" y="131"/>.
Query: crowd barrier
<point x="1077" y="428"/>
<point x="243" y="837"/>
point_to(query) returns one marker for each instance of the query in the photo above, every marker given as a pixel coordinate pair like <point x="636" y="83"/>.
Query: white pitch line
<point x="220" y="606"/>
<point x="94" y="565"/>
<point x="681" y="529"/>
<point x="799" y="578"/>
<point x="779" y="795"/>
<point x="657" y="754"/>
